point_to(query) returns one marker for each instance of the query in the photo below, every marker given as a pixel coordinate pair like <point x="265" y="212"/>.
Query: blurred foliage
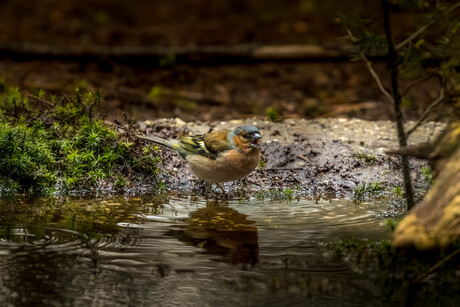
<point x="272" y="114"/>
<point x="430" y="51"/>
<point x="57" y="147"/>
<point x="434" y="48"/>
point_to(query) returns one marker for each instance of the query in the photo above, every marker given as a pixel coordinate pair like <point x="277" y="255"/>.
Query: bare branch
<point x="417" y="82"/>
<point x="437" y="265"/>
<point x="371" y="70"/>
<point x="428" y="110"/>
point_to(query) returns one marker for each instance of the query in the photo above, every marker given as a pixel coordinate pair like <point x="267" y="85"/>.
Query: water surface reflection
<point x="182" y="251"/>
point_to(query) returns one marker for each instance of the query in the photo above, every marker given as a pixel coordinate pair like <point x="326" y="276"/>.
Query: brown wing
<point x="217" y="141"/>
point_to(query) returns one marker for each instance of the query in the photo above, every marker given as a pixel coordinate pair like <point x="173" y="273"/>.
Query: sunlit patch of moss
<point x="365" y="191"/>
<point x="393" y="222"/>
<point x="287" y="194"/>
<point x="63" y="148"/>
<point x="398" y="191"/>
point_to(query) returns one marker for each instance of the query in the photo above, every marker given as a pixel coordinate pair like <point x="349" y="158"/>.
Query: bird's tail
<point x="172" y="144"/>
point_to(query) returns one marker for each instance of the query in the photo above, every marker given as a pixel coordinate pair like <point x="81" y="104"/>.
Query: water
<point x="183" y="251"/>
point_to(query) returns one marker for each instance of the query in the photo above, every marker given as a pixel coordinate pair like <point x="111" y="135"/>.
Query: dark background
<point x="308" y="88"/>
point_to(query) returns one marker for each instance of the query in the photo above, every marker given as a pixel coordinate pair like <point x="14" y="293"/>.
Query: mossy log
<point x="435" y="222"/>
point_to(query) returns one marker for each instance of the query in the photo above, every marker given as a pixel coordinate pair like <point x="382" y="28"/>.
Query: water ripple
<point x="213" y="252"/>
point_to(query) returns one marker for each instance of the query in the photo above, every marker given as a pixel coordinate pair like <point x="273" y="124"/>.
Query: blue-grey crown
<point x="247" y="129"/>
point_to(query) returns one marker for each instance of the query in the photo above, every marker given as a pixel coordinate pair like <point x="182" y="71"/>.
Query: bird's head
<point x="246" y="137"/>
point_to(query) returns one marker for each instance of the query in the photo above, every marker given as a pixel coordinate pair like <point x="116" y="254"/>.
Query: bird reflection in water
<point x="223" y="231"/>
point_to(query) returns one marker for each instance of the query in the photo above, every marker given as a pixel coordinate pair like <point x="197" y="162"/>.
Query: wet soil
<point x="325" y="157"/>
<point x="305" y="150"/>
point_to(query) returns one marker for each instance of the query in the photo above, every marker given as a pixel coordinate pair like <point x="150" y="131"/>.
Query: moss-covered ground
<point x="51" y="144"/>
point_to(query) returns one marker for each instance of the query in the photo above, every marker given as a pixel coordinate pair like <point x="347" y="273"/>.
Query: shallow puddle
<point x="183" y="251"/>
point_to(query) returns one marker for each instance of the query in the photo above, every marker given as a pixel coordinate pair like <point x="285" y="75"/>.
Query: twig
<point x="371" y="70"/>
<point x="424" y="28"/>
<point x="40" y="100"/>
<point x="302" y="157"/>
<point x="428" y="110"/>
<point x="437" y="265"/>
<point x="417" y="82"/>
<point x="129" y="121"/>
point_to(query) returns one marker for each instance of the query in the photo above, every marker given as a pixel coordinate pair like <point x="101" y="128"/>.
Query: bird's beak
<point x="255" y="141"/>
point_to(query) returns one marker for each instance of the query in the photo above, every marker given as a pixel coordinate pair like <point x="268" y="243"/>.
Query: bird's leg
<point x="222" y="188"/>
<point x="224" y="194"/>
<point x="208" y="187"/>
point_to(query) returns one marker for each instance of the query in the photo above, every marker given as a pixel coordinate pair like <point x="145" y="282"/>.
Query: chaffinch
<point x="218" y="156"/>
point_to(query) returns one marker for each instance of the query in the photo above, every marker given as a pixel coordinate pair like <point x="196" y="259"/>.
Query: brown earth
<point x="321" y="157"/>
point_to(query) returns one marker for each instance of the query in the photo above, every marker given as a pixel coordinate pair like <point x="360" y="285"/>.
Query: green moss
<point x="366" y="158"/>
<point x="393" y="222"/>
<point x="426" y="172"/>
<point x="366" y="190"/>
<point x="287" y="194"/>
<point x="63" y="148"/>
<point x="262" y="162"/>
<point x="272" y="114"/>
<point x="398" y="191"/>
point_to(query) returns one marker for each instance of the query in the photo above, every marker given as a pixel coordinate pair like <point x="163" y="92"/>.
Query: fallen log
<point x="156" y="55"/>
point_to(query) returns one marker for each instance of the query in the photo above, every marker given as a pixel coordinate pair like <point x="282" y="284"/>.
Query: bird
<point x="218" y="156"/>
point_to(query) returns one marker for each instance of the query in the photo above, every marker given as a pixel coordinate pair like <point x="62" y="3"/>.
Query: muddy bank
<point x="314" y="157"/>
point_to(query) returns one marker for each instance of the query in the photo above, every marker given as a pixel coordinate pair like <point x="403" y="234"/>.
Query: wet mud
<point x="321" y="157"/>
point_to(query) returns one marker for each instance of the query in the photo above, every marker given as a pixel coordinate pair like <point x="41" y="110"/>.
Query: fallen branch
<point x="437" y="265"/>
<point x="153" y="55"/>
